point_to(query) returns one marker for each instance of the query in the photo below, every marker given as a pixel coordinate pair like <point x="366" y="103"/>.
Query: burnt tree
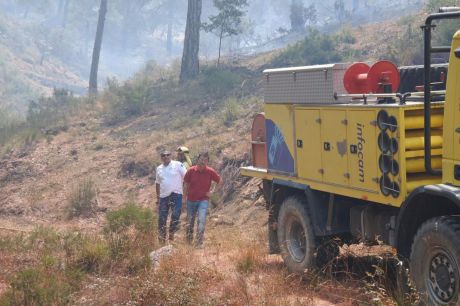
<point x="97" y="48"/>
<point x="190" y="64"/>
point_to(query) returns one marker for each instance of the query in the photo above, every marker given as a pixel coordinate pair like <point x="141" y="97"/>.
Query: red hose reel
<point x="362" y="79"/>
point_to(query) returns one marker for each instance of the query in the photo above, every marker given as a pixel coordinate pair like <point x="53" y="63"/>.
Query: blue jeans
<point x="172" y="202"/>
<point x="194" y="208"/>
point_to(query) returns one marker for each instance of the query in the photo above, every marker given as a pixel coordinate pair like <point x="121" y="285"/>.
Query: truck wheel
<point x="295" y="235"/>
<point x="435" y="261"/>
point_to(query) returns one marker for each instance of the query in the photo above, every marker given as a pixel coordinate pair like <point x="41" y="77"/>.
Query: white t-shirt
<point x="170" y="178"/>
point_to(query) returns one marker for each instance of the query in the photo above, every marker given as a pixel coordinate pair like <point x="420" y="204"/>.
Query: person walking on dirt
<point x="197" y="188"/>
<point x="168" y="183"/>
<point x="183" y="155"/>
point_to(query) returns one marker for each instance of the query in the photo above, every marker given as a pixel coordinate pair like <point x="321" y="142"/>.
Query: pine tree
<point x="228" y="21"/>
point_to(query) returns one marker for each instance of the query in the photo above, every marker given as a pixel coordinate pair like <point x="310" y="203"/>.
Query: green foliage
<point x="45" y="116"/>
<point x="153" y="87"/>
<point x="316" y="48"/>
<point x="36" y="286"/>
<point x="346" y="36"/>
<point x="130" y="99"/>
<point x="219" y="82"/>
<point x="232" y="111"/>
<point x="82" y="200"/>
<point x="49" y="112"/>
<point x="130" y="215"/>
<point x="9" y="124"/>
<point x="92" y="254"/>
<point x="43" y="238"/>
<point x="227" y="22"/>
<point x="131" y="235"/>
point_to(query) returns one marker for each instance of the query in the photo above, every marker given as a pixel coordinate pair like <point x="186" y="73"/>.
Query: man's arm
<point x="218" y="183"/>
<point x="184" y="196"/>
<point x="157" y="188"/>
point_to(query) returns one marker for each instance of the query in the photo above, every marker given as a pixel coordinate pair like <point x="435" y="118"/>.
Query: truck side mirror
<point x="457" y="52"/>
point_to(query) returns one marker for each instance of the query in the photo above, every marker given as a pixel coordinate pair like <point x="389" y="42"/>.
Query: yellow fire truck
<point x="367" y="151"/>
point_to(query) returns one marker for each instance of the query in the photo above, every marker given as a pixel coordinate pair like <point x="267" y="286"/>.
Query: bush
<point x="231" y="112"/>
<point x="315" y="49"/>
<point x="47" y="113"/>
<point x="9" y="124"/>
<point x="130" y="234"/>
<point x="92" y="255"/>
<point x="130" y="99"/>
<point x="130" y="215"/>
<point x="82" y="200"/>
<point x="36" y="287"/>
<point x="45" y="116"/>
<point x="219" y="82"/>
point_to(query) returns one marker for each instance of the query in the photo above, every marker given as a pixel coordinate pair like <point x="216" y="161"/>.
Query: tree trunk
<point x="220" y="45"/>
<point x="190" y="64"/>
<point x="65" y="10"/>
<point x="97" y="48"/>
<point x="170" y="26"/>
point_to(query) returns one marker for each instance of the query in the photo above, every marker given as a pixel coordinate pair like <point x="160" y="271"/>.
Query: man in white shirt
<point x="169" y="180"/>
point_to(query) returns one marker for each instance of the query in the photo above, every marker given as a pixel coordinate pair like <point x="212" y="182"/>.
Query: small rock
<point x="158" y="255"/>
<point x="222" y="220"/>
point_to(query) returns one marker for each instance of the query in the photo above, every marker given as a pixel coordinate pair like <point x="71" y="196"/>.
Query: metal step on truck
<point x="369" y="152"/>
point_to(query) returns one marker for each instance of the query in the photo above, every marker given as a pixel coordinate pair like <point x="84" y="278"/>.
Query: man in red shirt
<point x="197" y="186"/>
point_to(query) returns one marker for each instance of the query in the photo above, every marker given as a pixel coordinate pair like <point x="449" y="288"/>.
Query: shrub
<point x="231" y="112"/>
<point x="316" y="48"/>
<point x="219" y="82"/>
<point x="47" y="113"/>
<point x="82" y="200"/>
<point x="43" y="238"/>
<point x="9" y="124"/>
<point x="130" y="215"/>
<point x="36" y="286"/>
<point x="133" y="98"/>
<point x="93" y="255"/>
<point x="131" y="237"/>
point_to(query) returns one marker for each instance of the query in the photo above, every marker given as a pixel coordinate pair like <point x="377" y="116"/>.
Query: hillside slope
<point x="27" y="71"/>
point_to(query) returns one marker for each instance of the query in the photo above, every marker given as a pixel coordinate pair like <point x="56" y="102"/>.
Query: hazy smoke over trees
<point x="141" y="30"/>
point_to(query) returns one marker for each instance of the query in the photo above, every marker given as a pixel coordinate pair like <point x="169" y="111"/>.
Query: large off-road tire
<point x="435" y="261"/>
<point x="295" y="235"/>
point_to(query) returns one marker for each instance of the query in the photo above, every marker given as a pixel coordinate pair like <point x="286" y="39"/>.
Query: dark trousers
<point x="171" y="203"/>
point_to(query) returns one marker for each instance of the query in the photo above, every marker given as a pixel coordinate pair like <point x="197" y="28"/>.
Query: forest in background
<point x="48" y="32"/>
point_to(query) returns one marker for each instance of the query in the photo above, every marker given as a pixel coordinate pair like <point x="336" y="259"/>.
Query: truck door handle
<point x="353" y="149"/>
<point x="299" y="143"/>
<point x="327" y="146"/>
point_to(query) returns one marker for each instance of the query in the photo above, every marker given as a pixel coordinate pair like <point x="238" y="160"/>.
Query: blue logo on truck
<point x="279" y="157"/>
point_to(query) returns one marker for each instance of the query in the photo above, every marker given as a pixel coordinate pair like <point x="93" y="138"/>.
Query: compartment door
<point x="308" y="144"/>
<point x="334" y="147"/>
<point x="362" y="150"/>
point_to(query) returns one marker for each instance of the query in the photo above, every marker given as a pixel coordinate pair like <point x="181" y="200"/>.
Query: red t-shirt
<point x="199" y="182"/>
